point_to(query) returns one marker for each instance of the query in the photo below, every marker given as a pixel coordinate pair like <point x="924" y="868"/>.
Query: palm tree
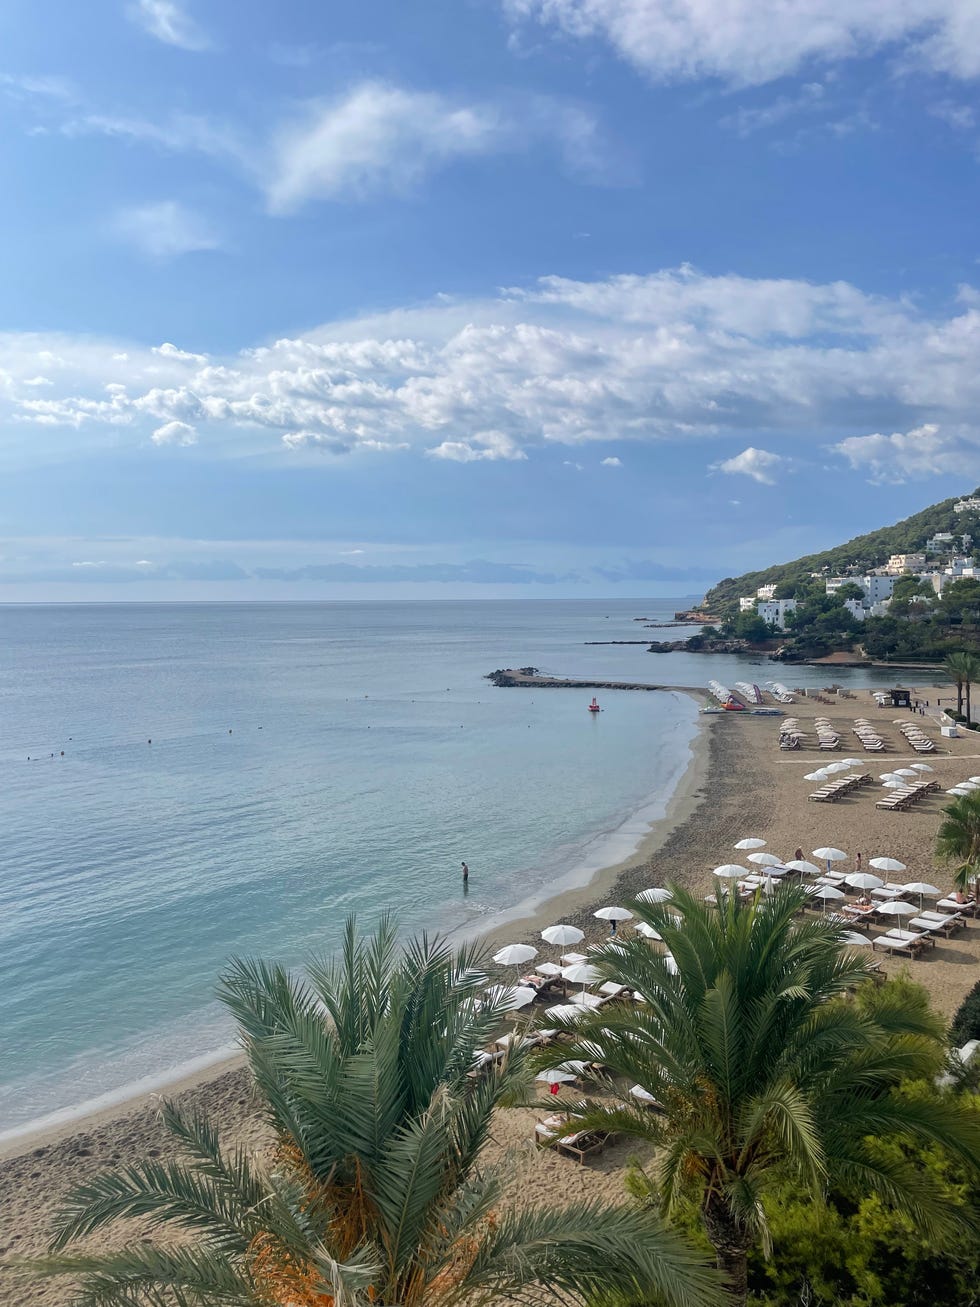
<point x="958" y="840"/>
<point x="763" y="1068"/>
<point x="954" y="669"/>
<point x="970" y="665"/>
<point x="374" y="1193"/>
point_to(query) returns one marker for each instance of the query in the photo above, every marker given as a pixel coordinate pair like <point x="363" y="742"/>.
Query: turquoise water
<point x="307" y="761"/>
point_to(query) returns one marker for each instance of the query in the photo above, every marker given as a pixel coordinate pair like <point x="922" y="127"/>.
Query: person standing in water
<point x="466" y="872"/>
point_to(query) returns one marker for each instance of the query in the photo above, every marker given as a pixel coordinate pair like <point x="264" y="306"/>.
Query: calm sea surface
<point x="307" y="761"/>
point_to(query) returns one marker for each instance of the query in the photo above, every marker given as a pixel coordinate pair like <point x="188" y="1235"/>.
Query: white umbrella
<point x="888" y="776"/>
<point x="896" y="784"/>
<point x="922" y="888"/>
<point x="555" y="1076"/>
<point x="959" y="791"/>
<point x="671" y="964"/>
<point x="886" y="864"/>
<point x="825" y="892"/>
<point x="612" y="915"/>
<point x="655" y="895"/>
<point x="730" y="871"/>
<point x="864" y="880"/>
<point x="921" y="766"/>
<point x="851" y="937"/>
<point x="974" y="778"/>
<point x="816" y="775"/>
<point x="751" y="844"/>
<point x="765" y="859"/>
<point x="510" y="997"/>
<point x="513" y="955"/>
<point x="898" y="908"/>
<point x="904" y="771"/>
<point x="549" y="969"/>
<point x="852" y="762"/>
<point x="648" y="931"/>
<point x="582" y="973"/>
<point x="563" y="935"/>
<point x="803" y="867"/>
<point x="830" y="855"/>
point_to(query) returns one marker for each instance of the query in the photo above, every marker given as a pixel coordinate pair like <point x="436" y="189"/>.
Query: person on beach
<point x="466" y="872"/>
<point x="798" y="856"/>
<point x="859" y="862"/>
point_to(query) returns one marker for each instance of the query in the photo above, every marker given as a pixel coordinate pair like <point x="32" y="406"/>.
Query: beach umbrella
<point x="816" y="776"/>
<point x="751" y="844"/>
<point x="886" y="864"/>
<point x="825" y="892"/>
<point x="852" y="762"/>
<point x="612" y="915"/>
<point x="975" y="778"/>
<point x="563" y="935"/>
<point x="654" y="895"/>
<point x="898" y="908"/>
<point x="730" y="871"/>
<point x="582" y="973"/>
<point x="921" y="766"/>
<point x="922" y="888"/>
<point x="555" y="1077"/>
<point x="549" y="969"/>
<point x="888" y="776"/>
<point x="904" y="771"/>
<point x="958" y="791"/>
<point x="803" y="867"/>
<point x="851" y="937"/>
<point x="510" y="997"/>
<point x="864" y="880"/>
<point x="513" y="955"/>
<point x="671" y="964"/>
<point x="830" y="855"/>
<point x="647" y="930"/>
<point x="765" y="859"/>
<point x="896" y="784"/>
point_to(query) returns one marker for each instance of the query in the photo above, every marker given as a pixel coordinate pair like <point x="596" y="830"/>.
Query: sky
<point x="499" y="298"/>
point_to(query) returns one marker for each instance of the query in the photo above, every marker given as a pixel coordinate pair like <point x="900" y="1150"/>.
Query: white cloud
<point x="611" y="462"/>
<point x="381" y="137"/>
<point x="175" y="433"/>
<point x="165" y="230"/>
<point x="166" y="21"/>
<point x="483" y="446"/>
<point x="748" y="42"/>
<point x="744" y="121"/>
<point x="924" y="451"/>
<point x="961" y="116"/>
<point x="673" y="355"/>
<point x="26" y="86"/>
<point x="759" y="464"/>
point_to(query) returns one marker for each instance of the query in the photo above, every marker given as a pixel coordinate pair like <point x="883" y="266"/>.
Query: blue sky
<point x="463" y="297"/>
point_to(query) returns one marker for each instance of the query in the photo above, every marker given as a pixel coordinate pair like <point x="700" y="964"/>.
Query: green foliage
<point x="958" y="840"/>
<point x="966" y="1023"/>
<point x="376" y="1194"/>
<point x="767" y="1072"/>
<point x="863" y="552"/>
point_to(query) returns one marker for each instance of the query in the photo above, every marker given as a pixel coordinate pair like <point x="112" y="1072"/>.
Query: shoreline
<point x="526" y="918"/>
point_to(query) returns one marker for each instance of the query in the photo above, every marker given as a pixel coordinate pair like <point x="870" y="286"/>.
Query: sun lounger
<point x="902" y="941"/>
<point x="583" y="1144"/>
<point x="645" y="1098"/>
<point x="953" y="905"/>
<point x="951" y="921"/>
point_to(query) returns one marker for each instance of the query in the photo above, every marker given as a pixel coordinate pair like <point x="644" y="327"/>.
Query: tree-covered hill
<point x="857" y="555"/>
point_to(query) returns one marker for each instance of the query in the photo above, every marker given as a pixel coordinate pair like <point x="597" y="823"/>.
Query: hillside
<point x="863" y="552"/>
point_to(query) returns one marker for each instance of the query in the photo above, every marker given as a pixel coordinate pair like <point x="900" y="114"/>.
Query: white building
<point x="900" y="564"/>
<point x="747" y="604"/>
<point x="774" y="611"/>
<point x="877" y="588"/>
<point x="971" y="505"/>
<point x="856" y="608"/>
<point x="766" y="592"/>
<point x="940" y="543"/>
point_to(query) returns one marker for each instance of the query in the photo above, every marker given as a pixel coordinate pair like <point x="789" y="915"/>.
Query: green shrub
<point x="966" y="1023"/>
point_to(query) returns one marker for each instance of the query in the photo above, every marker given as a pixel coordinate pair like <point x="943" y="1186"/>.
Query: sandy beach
<point x="739" y="784"/>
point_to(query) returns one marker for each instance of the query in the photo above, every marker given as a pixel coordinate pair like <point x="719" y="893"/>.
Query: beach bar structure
<point x="901" y="698"/>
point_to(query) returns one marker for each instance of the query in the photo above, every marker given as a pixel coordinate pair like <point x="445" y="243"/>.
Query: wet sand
<point x="739" y="784"/>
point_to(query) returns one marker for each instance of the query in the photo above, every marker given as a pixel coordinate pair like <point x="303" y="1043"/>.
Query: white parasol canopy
<point x="803" y="867"/>
<point x="562" y="934"/>
<point x="549" y="969"/>
<point x="852" y="937"/>
<point x="512" y="955"/>
<point x="830" y="854"/>
<point x="648" y="931"/>
<point x="922" y="766"/>
<point x="555" y="1076"/>
<point x="922" y="888"/>
<point x="582" y="973"/>
<point x="613" y="914"/>
<point x="765" y="859"/>
<point x="510" y="997"/>
<point x="864" y="880"/>
<point x="655" y="895"/>
<point x="886" y="864"/>
<point x="730" y="871"/>
<point x="904" y="771"/>
<point x="751" y="844"/>
<point x="825" y="892"/>
<point x="898" y="908"/>
<point x="565" y="1011"/>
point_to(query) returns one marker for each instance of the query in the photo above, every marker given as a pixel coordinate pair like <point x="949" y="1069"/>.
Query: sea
<point x="184" y="783"/>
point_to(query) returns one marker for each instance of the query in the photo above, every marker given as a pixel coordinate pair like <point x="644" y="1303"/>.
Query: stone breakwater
<point x="508" y="677"/>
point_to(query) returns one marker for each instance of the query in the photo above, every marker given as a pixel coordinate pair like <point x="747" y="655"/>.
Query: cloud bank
<point x="672" y="355"/>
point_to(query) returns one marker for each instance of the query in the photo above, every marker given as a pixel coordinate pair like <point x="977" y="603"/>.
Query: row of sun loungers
<point x="871" y="741"/>
<point x="918" y="739"/>
<point x="905" y="798"/>
<point x="835" y="790"/>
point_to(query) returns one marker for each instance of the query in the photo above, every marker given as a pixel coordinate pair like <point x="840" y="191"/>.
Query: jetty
<point x="531" y="678"/>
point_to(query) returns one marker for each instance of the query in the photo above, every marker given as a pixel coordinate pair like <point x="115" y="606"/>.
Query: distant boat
<point x="594" y="705"/>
